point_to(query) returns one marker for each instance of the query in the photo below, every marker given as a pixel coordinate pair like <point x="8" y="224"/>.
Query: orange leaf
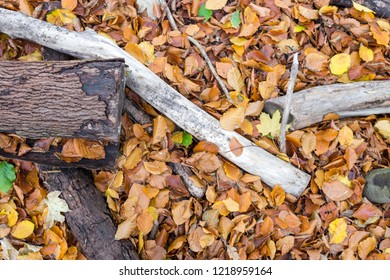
<point x="235" y="79"/>
<point x="145" y="222"/>
<point x="278" y="195"/>
<point x="159" y="129"/>
<point x="232" y="171"/>
<point x="381" y="36"/>
<point x="236" y="147"/>
<point x="25" y="7"/>
<point x="367" y="211"/>
<point x="69" y="4"/>
<point x="345" y="136"/>
<point x="181" y="211"/>
<point x="366" y="246"/>
<point x="232" y="118"/>
<point x="336" y="190"/>
<point x="156" y="167"/>
<point x="206" y="146"/>
<point x="133" y="159"/>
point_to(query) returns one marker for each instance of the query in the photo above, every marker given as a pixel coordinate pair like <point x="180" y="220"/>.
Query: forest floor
<point x="251" y="45"/>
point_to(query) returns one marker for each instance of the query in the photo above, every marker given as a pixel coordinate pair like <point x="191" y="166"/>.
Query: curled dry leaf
<point x="236" y="147"/>
<point x="232" y="118"/>
<point x="285" y="244"/>
<point x="366" y="246"/>
<point x="181" y="211"/>
<point x="278" y="195"/>
<point x="155" y="167"/>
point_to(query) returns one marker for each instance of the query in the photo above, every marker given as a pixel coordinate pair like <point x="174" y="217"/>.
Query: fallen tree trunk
<point x="89" y="45"/>
<point x="89" y="218"/>
<point x="72" y="99"/>
<point x="380" y="7"/>
<point x="311" y="105"/>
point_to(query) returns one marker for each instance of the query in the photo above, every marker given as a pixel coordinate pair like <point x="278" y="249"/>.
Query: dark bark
<point x="49" y="158"/>
<point x="89" y="219"/>
<point x="380" y="7"/>
<point x="74" y="99"/>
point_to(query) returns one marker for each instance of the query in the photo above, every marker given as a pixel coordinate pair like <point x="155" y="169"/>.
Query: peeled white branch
<point x="311" y="105"/>
<point x="89" y="45"/>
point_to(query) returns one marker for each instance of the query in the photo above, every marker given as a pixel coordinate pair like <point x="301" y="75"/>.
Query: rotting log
<point x="89" y="219"/>
<point x="72" y="99"/>
<point x="50" y="158"/>
<point x="311" y="105"/>
<point x="89" y="45"/>
<point x="380" y="7"/>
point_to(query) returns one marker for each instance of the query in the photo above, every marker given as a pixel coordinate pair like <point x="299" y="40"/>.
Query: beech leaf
<point x="55" y="206"/>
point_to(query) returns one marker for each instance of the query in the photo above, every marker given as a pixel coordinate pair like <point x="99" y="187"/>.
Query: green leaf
<point x="7" y="176"/>
<point x="182" y="138"/>
<point x="187" y="139"/>
<point x="206" y="13"/>
<point x="236" y="20"/>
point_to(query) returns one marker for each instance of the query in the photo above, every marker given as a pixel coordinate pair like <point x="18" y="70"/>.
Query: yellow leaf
<point x="238" y="41"/>
<point x="345" y="136"/>
<point x="232" y="171"/>
<point x="135" y="51"/>
<point x="220" y="206"/>
<point x="366" y="54"/>
<point x="340" y="63"/>
<point x="111" y="193"/>
<point x="232" y="118"/>
<point x="269" y="126"/>
<point x="206" y="240"/>
<point x="60" y="17"/>
<point x="35" y="56"/>
<point x="69" y="4"/>
<point x="23" y="229"/>
<point x="177" y="243"/>
<point x="231" y="205"/>
<point x="338" y="231"/>
<point x="215" y="4"/>
<point x="362" y="8"/>
<point x="278" y="195"/>
<point x="126" y="228"/>
<point x="155" y="167"/>
<point x="299" y="28"/>
<point x="148" y="51"/>
<point x="235" y="79"/>
<point x="12" y="217"/>
<point x="383" y="127"/>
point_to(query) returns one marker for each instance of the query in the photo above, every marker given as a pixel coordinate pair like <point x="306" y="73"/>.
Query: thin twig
<point x="201" y="49"/>
<point x="286" y="111"/>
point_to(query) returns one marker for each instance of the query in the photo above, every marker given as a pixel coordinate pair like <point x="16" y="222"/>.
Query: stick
<point x="89" y="45"/>
<point x="200" y="48"/>
<point x="311" y="105"/>
<point x="286" y="111"/>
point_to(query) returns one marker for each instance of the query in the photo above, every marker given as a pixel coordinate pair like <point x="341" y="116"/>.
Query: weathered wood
<point x="49" y="158"/>
<point x="89" y="45"/>
<point x="311" y="105"/>
<point x="74" y="99"/>
<point x="89" y="219"/>
<point x="380" y="7"/>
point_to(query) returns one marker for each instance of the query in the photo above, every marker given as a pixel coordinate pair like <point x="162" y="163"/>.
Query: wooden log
<point x="380" y="7"/>
<point x="311" y="105"/>
<point x="89" y="45"/>
<point x="89" y="219"/>
<point x="73" y="99"/>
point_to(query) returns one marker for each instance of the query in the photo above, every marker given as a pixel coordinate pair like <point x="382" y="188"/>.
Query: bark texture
<point x="89" y="45"/>
<point x="380" y="7"/>
<point x="311" y="105"/>
<point x="89" y="219"/>
<point x="75" y="99"/>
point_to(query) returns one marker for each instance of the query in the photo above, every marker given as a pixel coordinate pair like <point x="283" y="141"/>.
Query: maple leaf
<point x="55" y="206"/>
<point x="270" y="126"/>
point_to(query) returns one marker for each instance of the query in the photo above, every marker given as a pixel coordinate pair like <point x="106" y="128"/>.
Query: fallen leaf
<point x="153" y="251"/>
<point x="181" y="211"/>
<point x="338" y="231"/>
<point x="285" y="244"/>
<point x="155" y="167"/>
<point x="145" y="222"/>
<point x="60" y="17"/>
<point x="340" y="63"/>
<point x="367" y="211"/>
<point x="366" y="54"/>
<point x="133" y="159"/>
<point x="278" y="195"/>
<point x="235" y="79"/>
<point x="159" y="129"/>
<point x="383" y="127"/>
<point x="177" y="243"/>
<point x="235" y="147"/>
<point x="205" y="146"/>
<point x="7" y="176"/>
<point x="336" y="190"/>
<point x="309" y="143"/>
<point x="382" y="37"/>
<point x="232" y="171"/>
<point x="23" y="229"/>
<point x="215" y="4"/>
<point x="232" y="118"/>
<point x="269" y="126"/>
<point x="366" y="246"/>
<point x="126" y="228"/>
<point x="8" y="252"/>
<point x="361" y="8"/>
<point x="345" y="136"/>
<point x="26" y="8"/>
<point x="55" y="206"/>
<point x="69" y="4"/>
<point x="231" y="205"/>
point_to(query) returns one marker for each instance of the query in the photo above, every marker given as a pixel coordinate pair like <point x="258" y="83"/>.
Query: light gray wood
<point x="89" y="45"/>
<point x="311" y="105"/>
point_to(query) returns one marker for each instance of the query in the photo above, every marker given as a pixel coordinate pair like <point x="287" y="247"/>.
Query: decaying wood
<point x="311" y="105"/>
<point x="73" y="99"/>
<point x="50" y="158"/>
<point x="380" y="7"/>
<point x="89" y="45"/>
<point x="89" y="219"/>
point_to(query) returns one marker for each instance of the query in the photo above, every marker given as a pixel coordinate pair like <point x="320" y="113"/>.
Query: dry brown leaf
<point x="155" y="167"/>
<point x="133" y="159"/>
<point x="181" y="211"/>
<point x="159" y="129"/>
<point x="232" y="171"/>
<point x="309" y="143"/>
<point x="278" y="195"/>
<point x="177" y="243"/>
<point x="126" y="228"/>
<point x="205" y="146"/>
<point x="235" y="79"/>
<point x="26" y="8"/>
<point x="153" y="252"/>
<point x="285" y="244"/>
<point x="145" y="222"/>
<point x="366" y="246"/>
<point x="225" y="226"/>
<point x="345" y="136"/>
<point x="69" y="4"/>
